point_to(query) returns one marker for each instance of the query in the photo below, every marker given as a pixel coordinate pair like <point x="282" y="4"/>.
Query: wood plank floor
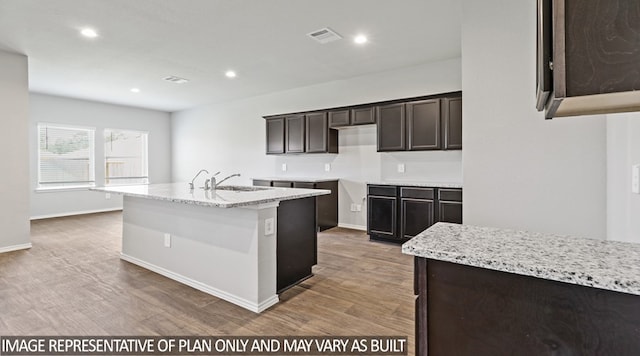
<point x="72" y="282"/>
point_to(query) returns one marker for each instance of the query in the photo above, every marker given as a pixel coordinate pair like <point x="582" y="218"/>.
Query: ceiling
<point x="264" y="41"/>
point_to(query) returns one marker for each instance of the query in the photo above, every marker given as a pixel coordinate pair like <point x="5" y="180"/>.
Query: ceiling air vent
<point x="176" y="80"/>
<point x="324" y="35"/>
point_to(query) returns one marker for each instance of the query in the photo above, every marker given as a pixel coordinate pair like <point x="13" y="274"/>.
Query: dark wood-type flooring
<point x="72" y="282"/>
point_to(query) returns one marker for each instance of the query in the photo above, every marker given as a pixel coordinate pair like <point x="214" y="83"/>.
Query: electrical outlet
<point x="167" y="240"/>
<point x="284" y="167"/>
<point x="107" y="195"/>
<point x="353" y="207"/>
<point x="400" y="167"/>
<point x="269" y="226"/>
<point x="358" y="207"/>
<point x="635" y="178"/>
<point x="327" y="167"/>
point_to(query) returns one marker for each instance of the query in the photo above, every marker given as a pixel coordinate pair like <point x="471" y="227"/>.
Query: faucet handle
<point x="206" y="184"/>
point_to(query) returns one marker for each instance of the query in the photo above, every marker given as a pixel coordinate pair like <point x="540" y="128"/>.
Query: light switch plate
<point x="284" y="167"/>
<point x="327" y="167"/>
<point x="400" y="167"/>
<point x="167" y="240"/>
<point x="635" y="178"/>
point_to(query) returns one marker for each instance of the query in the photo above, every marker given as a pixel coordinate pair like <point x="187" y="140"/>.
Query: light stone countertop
<point x="180" y="193"/>
<point x="609" y="265"/>
<point x="298" y="179"/>
<point x="409" y="183"/>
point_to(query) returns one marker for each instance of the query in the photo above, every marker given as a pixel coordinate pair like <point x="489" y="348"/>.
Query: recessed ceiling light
<point x="360" y="39"/>
<point x="135" y="90"/>
<point x="89" y="32"/>
<point x="230" y="74"/>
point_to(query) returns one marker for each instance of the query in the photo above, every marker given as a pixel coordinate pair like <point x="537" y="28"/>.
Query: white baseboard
<point x="254" y="307"/>
<point x="353" y="227"/>
<point x="15" y="247"/>
<point x="72" y="213"/>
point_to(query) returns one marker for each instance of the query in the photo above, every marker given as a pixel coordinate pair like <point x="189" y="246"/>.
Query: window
<point x="125" y="157"/>
<point x="65" y="156"/>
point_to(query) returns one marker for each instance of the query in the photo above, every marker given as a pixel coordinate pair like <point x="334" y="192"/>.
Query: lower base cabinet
<point x="398" y="213"/>
<point x="327" y="204"/>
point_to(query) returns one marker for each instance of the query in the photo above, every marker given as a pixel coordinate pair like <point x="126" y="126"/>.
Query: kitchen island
<point x="225" y="242"/>
<point x="487" y="291"/>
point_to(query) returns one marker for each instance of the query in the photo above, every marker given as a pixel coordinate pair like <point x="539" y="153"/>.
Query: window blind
<point x="125" y="157"/>
<point x="65" y="156"/>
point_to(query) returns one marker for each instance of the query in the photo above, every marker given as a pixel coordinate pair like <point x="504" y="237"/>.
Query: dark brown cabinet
<point x="363" y="115"/>
<point x="417" y="210"/>
<point x="452" y="123"/>
<point x="423" y="125"/>
<point x="275" y="135"/>
<point x="450" y="205"/>
<point x="319" y="137"/>
<point x="420" y="125"/>
<point x="382" y="212"/>
<point x="339" y="118"/>
<point x="391" y="127"/>
<point x="588" y="57"/>
<point x="327" y="204"/>
<point x="294" y="134"/>
<point x="398" y="213"/>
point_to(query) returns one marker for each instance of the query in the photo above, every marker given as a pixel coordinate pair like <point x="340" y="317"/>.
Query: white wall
<point x="231" y="137"/>
<point x="521" y="171"/>
<point x="54" y="109"/>
<point x="14" y="131"/>
<point x="623" y="151"/>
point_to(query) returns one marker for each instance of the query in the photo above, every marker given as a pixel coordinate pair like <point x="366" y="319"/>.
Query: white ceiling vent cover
<point x="324" y="35"/>
<point x="176" y="80"/>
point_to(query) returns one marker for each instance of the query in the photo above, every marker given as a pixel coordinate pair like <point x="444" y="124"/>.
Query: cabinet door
<point x="452" y="115"/>
<point x="450" y="211"/>
<point x="363" y="116"/>
<point x="275" y="136"/>
<point x="316" y="132"/>
<point x="339" y="118"/>
<point x="391" y="127"/>
<point x="382" y="216"/>
<point x="294" y="137"/>
<point x="417" y="215"/>
<point x="423" y="125"/>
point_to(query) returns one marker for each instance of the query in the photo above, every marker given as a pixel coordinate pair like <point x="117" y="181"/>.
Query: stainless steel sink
<point x="241" y="188"/>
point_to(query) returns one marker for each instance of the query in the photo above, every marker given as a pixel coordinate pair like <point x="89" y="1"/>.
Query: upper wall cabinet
<point x="320" y="139"/>
<point x="294" y="134"/>
<point x="416" y="124"/>
<point x="421" y="125"/>
<point x="351" y="117"/>
<point x="588" y="57"/>
<point x="275" y="135"/>
<point x="308" y="133"/>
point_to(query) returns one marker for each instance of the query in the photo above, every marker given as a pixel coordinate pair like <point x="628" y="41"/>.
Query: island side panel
<point x="476" y="311"/>
<point x="223" y="252"/>
<point x="297" y="241"/>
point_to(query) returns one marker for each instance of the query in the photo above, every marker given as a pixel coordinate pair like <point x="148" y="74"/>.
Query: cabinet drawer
<point x="305" y="185"/>
<point x="282" y="184"/>
<point x="382" y="190"/>
<point x="450" y="194"/>
<point x="417" y="193"/>
<point x="261" y="183"/>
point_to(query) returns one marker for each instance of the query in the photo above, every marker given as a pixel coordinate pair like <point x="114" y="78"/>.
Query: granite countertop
<point x="298" y="179"/>
<point x="609" y="265"/>
<point x="180" y="193"/>
<point x="408" y="183"/>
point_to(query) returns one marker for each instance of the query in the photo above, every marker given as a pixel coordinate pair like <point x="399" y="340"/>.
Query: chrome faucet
<point x="213" y="180"/>
<point x="194" y="178"/>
